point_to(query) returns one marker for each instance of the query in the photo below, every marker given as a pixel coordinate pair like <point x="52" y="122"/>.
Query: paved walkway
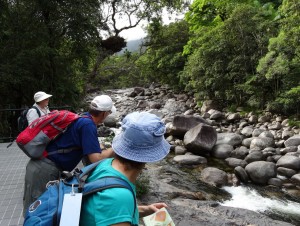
<point x="12" y="171"/>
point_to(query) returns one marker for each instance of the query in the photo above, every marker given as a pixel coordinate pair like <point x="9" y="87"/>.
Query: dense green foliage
<point x="235" y="52"/>
<point x="280" y="67"/>
<point x="163" y="59"/>
<point x="225" y="55"/>
<point x="45" y="45"/>
<point x="57" y="46"/>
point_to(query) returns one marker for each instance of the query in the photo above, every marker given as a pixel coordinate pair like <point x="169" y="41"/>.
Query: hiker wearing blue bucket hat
<point x="141" y="141"/>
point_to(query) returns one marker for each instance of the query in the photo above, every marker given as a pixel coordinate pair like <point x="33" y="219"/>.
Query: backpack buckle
<point x="66" y="175"/>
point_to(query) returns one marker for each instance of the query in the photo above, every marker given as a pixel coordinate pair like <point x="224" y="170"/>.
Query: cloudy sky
<point x="138" y="32"/>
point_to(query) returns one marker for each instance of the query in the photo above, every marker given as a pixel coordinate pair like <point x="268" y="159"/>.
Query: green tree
<point x="57" y="46"/>
<point x="41" y="46"/>
<point x="163" y="59"/>
<point x="280" y="67"/>
<point x="225" y="54"/>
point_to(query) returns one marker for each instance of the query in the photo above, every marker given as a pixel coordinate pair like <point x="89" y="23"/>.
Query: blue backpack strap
<point x="85" y="171"/>
<point x="108" y="182"/>
<point x="37" y="110"/>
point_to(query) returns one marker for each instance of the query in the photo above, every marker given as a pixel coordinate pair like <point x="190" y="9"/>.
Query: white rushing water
<point x="247" y="198"/>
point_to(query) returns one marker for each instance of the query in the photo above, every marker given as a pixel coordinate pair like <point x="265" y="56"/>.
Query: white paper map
<point x="159" y="218"/>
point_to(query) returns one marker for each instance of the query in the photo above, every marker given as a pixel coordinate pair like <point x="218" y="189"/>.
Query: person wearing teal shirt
<point x="141" y="141"/>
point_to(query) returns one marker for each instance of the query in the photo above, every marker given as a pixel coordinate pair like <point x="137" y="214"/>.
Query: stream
<point x="277" y="208"/>
<point x="194" y="202"/>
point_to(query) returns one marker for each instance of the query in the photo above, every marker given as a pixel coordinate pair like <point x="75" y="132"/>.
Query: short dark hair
<point x="130" y="164"/>
<point x="94" y="112"/>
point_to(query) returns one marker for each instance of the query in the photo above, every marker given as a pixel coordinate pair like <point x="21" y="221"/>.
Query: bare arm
<point x="95" y="157"/>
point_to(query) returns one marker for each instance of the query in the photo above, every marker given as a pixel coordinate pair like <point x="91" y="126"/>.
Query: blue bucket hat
<point x="142" y="138"/>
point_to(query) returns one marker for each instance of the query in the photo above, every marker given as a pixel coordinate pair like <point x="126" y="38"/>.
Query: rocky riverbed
<point x="212" y="149"/>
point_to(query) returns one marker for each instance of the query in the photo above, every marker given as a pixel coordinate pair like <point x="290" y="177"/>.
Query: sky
<point x="138" y="32"/>
<point x="133" y="33"/>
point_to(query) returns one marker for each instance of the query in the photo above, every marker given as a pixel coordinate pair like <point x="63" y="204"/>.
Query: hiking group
<point x="141" y="141"/>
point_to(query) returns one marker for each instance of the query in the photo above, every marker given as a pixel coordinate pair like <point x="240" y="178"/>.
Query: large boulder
<point x="229" y="138"/>
<point x="254" y="156"/>
<point x="240" y="152"/>
<point x="260" y="172"/>
<point x="182" y="123"/>
<point x="222" y="151"/>
<point x="111" y="120"/>
<point x="296" y="179"/>
<point x="234" y="162"/>
<point x="207" y="105"/>
<point x="241" y="174"/>
<point x="190" y="159"/>
<point x="173" y="107"/>
<point x="262" y="143"/>
<point x="292" y="141"/>
<point x="200" y="139"/>
<point x="214" y="176"/>
<point x="289" y="161"/>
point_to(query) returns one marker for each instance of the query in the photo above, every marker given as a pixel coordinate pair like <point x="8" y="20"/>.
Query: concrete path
<point x="12" y="171"/>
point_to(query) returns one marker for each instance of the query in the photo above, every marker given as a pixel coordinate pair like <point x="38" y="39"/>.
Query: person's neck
<point x="42" y="107"/>
<point x="132" y="175"/>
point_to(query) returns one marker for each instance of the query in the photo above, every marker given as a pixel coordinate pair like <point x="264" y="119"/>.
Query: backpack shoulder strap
<point x="108" y="182"/>
<point x="105" y="183"/>
<point x="37" y="110"/>
<point x="85" y="171"/>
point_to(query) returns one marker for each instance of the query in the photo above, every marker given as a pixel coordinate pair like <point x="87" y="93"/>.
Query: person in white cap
<point x="79" y="141"/>
<point x="40" y="106"/>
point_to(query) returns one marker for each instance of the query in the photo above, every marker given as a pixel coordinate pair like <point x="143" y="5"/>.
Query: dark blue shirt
<point x="82" y="135"/>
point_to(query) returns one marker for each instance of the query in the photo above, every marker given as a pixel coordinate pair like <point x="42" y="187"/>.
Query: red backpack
<point x="34" y="139"/>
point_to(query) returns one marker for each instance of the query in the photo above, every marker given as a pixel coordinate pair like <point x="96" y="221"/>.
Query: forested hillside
<point x="238" y="53"/>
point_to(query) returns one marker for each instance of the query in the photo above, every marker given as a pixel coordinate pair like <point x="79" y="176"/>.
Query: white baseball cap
<point x="103" y="103"/>
<point x="39" y="96"/>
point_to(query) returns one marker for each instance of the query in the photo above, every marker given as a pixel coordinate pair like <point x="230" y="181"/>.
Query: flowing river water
<point x="277" y="208"/>
<point x="276" y="203"/>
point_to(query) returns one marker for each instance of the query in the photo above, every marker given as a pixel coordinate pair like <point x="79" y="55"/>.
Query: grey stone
<point x="289" y="161"/>
<point x="286" y="172"/>
<point x="260" y="172"/>
<point x="292" y="141"/>
<point x="214" y="176"/>
<point x="200" y="138"/>
<point x="241" y="174"/>
<point x="240" y="152"/>
<point x="180" y="150"/>
<point x="229" y="138"/>
<point x="296" y="179"/>
<point x="254" y="156"/>
<point x="275" y="182"/>
<point x="189" y="159"/>
<point x="182" y="123"/>
<point x="234" y="162"/>
<point x="222" y="151"/>
<point x="262" y="142"/>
